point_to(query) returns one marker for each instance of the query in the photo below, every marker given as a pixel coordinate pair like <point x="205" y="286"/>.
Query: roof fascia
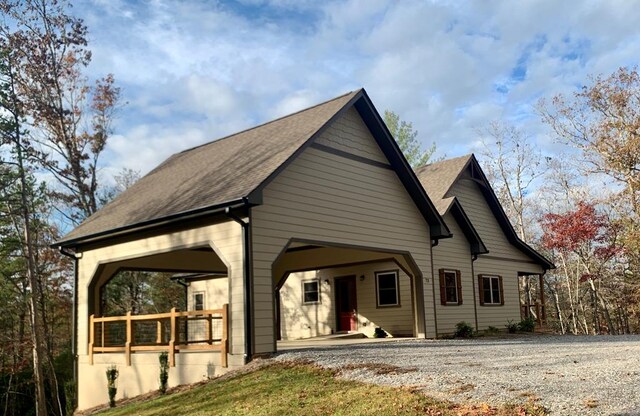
<point x="458" y="213"/>
<point x="437" y="226"/>
<point x="501" y="216"/>
<point x="171" y="220"/>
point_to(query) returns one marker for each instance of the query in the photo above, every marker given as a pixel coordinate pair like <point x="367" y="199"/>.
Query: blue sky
<point x="193" y="71"/>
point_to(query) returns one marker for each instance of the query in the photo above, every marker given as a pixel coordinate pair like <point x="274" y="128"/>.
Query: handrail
<point x="174" y="344"/>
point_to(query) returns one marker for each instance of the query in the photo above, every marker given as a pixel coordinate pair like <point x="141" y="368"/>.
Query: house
<point x="305" y="225"/>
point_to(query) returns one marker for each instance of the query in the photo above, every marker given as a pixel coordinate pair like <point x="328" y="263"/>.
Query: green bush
<point x="492" y="330"/>
<point x="527" y="325"/>
<point x="112" y="389"/>
<point x="511" y="326"/>
<point x="463" y="330"/>
<point x="164" y="371"/>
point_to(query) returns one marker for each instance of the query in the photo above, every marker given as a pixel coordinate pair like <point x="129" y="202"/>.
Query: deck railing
<point x="536" y="311"/>
<point x="172" y="332"/>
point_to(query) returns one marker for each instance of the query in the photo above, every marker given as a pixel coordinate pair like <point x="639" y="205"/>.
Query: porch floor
<point x="334" y="339"/>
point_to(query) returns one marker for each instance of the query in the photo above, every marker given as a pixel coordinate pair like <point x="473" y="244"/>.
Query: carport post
<point x="246" y="256"/>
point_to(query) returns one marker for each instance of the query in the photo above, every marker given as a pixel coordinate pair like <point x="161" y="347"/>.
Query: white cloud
<point x="194" y="71"/>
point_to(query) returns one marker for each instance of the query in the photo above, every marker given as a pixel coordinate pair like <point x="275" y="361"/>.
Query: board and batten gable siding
<point x="327" y="197"/>
<point x="503" y="258"/>
<point x="454" y="254"/>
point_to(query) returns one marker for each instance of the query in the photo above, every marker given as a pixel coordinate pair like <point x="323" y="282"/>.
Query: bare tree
<point x="512" y="164"/>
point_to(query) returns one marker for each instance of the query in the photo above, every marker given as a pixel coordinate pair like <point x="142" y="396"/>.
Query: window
<point x="311" y="291"/>
<point x="387" y="288"/>
<point x="450" y="287"/>
<point x="198" y="301"/>
<point x="490" y="289"/>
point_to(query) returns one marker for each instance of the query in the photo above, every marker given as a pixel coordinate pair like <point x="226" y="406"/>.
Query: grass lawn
<point x="300" y="389"/>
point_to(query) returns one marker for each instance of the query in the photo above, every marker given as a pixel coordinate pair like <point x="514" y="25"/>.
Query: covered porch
<point x="323" y="289"/>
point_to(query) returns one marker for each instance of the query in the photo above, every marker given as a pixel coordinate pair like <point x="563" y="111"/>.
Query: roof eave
<point x="173" y="219"/>
<point x="437" y="227"/>
<point x="503" y="219"/>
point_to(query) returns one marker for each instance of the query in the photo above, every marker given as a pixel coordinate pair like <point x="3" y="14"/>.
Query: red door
<point x="346" y="306"/>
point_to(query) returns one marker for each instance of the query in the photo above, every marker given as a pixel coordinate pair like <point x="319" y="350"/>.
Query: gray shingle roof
<point x="212" y="174"/>
<point x="437" y="178"/>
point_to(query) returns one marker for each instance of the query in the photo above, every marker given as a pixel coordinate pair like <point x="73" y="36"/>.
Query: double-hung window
<point x="387" y="289"/>
<point x="311" y="291"/>
<point x="450" y="287"/>
<point x="490" y="290"/>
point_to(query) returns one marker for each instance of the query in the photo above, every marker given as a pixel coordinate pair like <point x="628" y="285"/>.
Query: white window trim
<point x="317" y="282"/>
<point x="491" y="278"/>
<point x="388" y="305"/>
<point x="193" y="300"/>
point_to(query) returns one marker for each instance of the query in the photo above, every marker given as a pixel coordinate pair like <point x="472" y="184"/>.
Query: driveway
<point x="570" y="375"/>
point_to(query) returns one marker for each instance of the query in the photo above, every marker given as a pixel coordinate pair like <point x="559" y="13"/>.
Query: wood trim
<point x="481" y="278"/>
<point x="459" y="286"/>
<point x="350" y="156"/>
<point x="482" y="256"/>
<point x="443" y="287"/>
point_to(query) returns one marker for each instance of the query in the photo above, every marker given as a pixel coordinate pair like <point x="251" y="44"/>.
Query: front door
<point x="346" y="305"/>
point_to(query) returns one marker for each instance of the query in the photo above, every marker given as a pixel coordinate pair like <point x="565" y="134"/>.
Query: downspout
<point x="434" y="243"/>
<point x="74" y="321"/>
<point x="246" y="257"/>
<point x="185" y="285"/>
<point x="474" y="257"/>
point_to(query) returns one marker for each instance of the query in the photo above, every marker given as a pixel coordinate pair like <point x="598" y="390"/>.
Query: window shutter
<point x="480" y="290"/>
<point x="501" y="291"/>
<point x="459" y="286"/>
<point x="443" y="294"/>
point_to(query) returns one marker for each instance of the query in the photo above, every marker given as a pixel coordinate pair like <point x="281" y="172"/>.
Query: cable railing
<point x="172" y="332"/>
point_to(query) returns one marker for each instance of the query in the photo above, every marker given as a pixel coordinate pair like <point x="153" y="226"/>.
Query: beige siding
<point x="226" y="240"/>
<point x="299" y="320"/>
<point x="303" y="321"/>
<point x="346" y="135"/>
<point x="454" y="254"/>
<point x="503" y="258"/>
<point x="325" y="197"/>
<point x="216" y="292"/>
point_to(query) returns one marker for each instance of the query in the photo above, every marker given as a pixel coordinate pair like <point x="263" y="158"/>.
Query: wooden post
<point x="224" y="341"/>
<point x="544" y="314"/>
<point x="127" y="345"/>
<point x="209" y="329"/>
<point x="91" y="338"/>
<point x="172" y="341"/>
<point x="159" y="331"/>
<point x="102" y="334"/>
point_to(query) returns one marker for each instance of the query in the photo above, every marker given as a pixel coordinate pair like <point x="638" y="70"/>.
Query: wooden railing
<point x="536" y="311"/>
<point x="171" y="332"/>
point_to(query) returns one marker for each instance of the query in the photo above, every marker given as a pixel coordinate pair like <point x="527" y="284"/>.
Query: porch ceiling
<point x="299" y="257"/>
<point x="200" y="260"/>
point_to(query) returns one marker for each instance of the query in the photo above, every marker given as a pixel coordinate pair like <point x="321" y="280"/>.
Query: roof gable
<point x="234" y="170"/>
<point x="438" y="178"/>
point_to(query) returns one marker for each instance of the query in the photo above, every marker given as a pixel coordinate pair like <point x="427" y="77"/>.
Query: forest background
<point x="579" y="205"/>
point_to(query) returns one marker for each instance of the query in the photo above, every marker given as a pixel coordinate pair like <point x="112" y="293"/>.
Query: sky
<point x="194" y="71"/>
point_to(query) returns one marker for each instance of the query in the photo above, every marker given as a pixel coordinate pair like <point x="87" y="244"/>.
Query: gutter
<point x="246" y="257"/>
<point x="74" y="320"/>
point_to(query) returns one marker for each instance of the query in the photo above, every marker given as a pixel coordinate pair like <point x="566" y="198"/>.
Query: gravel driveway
<point x="571" y="375"/>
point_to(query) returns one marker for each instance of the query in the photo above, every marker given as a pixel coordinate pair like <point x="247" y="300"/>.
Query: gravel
<point x="569" y="375"/>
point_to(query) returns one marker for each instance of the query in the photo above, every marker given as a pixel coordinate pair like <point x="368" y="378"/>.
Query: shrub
<point x="112" y="389"/>
<point x="512" y="327"/>
<point x="463" y="330"/>
<point x="492" y="330"/>
<point x="164" y="371"/>
<point x="527" y="325"/>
